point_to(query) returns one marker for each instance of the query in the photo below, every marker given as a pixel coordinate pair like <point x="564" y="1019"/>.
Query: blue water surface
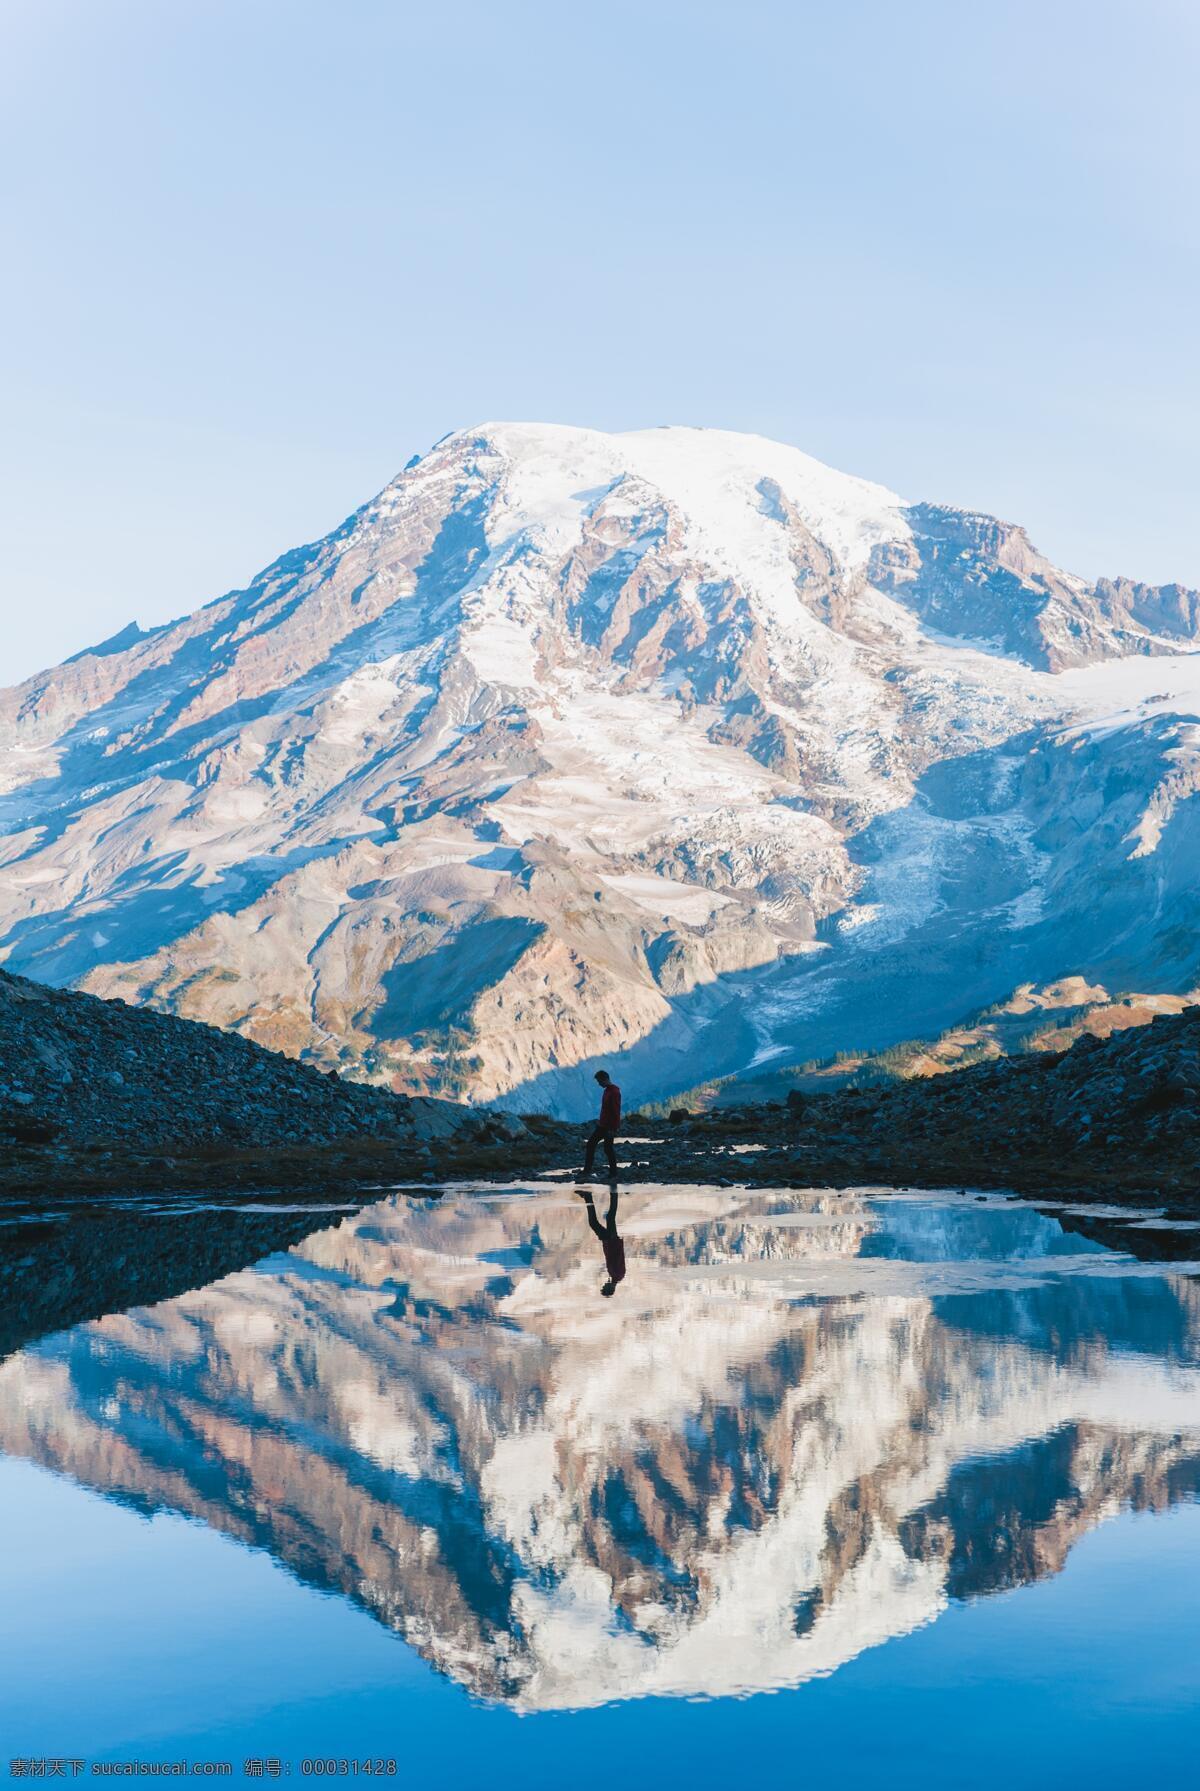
<point x="421" y="1492"/>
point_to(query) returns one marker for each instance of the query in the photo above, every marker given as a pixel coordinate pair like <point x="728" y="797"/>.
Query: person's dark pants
<point x="600" y="1136"/>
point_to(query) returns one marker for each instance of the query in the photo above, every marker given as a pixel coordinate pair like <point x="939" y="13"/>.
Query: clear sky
<point x="258" y="252"/>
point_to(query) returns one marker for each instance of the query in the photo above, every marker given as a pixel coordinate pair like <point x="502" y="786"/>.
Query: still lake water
<point x="858" y="1484"/>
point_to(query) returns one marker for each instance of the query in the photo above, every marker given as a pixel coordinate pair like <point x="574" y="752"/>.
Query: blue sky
<point x="259" y="253"/>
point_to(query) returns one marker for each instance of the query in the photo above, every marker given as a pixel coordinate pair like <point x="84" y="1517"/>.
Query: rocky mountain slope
<point x="676" y="744"/>
<point x="1119" y="1115"/>
<point x="81" y="1073"/>
<point x="805" y="1425"/>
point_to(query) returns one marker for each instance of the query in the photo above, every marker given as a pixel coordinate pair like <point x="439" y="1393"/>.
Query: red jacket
<point x="610" y="1108"/>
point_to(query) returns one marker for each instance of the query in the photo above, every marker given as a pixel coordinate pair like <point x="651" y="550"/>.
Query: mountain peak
<point x="713" y="476"/>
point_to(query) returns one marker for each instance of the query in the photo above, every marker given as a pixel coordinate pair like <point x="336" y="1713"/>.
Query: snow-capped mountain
<point x="675" y="743"/>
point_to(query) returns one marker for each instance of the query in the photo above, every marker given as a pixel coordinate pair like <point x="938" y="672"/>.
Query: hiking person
<point x="611" y="1241"/>
<point x="605" y="1128"/>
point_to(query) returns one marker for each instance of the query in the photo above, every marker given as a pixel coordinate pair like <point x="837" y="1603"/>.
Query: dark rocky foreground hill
<point x="1119" y="1115"/>
<point x="93" y="1091"/>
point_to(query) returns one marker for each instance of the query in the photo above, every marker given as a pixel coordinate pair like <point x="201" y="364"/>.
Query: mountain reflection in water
<point x="803" y="1424"/>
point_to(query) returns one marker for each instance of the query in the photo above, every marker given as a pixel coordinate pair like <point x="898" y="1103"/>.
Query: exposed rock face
<point x="805" y="1423"/>
<point x="983" y="583"/>
<point x="567" y="744"/>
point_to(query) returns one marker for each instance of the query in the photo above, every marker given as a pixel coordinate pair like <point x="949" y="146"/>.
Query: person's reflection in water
<point x="610" y="1238"/>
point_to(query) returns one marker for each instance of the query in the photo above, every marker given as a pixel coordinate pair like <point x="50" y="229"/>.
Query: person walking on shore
<point x="605" y="1129"/>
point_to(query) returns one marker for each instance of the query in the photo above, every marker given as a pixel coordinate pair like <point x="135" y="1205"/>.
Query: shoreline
<point x="726" y="1147"/>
